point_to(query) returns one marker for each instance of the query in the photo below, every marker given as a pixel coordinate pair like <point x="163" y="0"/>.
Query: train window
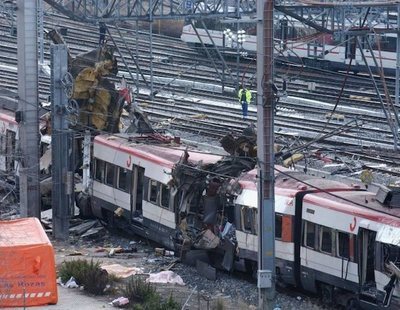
<point x="278" y="226"/>
<point x="2" y="144"/>
<point x="343" y="245"/>
<point x="309" y="231"/>
<point x="110" y="174"/>
<point x="164" y="196"/>
<point x="153" y="191"/>
<point x="99" y="170"/>
<point x="123" y="179"/>
<point x="326" y="240"/>
<point x="248" y="220"/>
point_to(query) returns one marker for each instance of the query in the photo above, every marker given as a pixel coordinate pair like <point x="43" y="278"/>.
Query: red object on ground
<point x="27" y="266"/>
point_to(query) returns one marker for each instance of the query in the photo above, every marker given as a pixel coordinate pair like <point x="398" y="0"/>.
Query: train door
<point x="137" y="193"/>
<point x="10" y="147"/>
<point x="366" y="263"/>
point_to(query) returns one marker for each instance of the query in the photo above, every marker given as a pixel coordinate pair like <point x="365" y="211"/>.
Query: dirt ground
<point x="144" y="257"/>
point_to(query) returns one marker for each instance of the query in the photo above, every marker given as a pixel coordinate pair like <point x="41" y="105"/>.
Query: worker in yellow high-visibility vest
<point x="244" y="96"/>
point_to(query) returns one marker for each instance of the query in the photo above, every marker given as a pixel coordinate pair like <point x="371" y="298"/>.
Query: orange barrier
<point x="27" y="267"/>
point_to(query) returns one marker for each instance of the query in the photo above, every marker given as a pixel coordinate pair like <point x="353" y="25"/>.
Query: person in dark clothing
<point x="102" y="33"/>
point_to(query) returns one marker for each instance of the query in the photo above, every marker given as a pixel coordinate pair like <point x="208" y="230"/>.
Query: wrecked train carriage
<point x="9" y="136"/>
<point x="163" y="191"/>
<point x="134" y="175"/>
<point x="182" y="199"/>
<point x="205" y="209"/>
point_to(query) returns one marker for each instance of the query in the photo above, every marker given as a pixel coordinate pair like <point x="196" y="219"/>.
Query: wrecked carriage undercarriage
<point x="206" y="216"/>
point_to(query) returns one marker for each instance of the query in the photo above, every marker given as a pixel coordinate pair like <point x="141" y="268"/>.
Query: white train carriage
<point x="321" y="53"/>
<point x="330" y="238"/>
<point x="9" y="135"/>
<point x="8" y="138"/>
<point x="135" y="177"/>
<point x="355" y="236"/>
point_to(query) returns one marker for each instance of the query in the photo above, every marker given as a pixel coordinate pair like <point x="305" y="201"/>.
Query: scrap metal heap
<point x="100" y="105"/>
<point x="205" y="213"/>
<point x="100" y="101"/>
<point x="243" y="145"/>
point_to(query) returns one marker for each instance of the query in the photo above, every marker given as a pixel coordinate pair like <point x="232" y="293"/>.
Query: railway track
<point x="297" y="115"/>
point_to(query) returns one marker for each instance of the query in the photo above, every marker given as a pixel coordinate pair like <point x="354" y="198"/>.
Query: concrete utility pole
<point x="265" y="141"/>
<point x="61" y="146"/>
<point x="28" y="115"/>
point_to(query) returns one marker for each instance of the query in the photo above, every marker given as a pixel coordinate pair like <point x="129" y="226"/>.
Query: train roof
<point x="360" y="203"/>
<point x="164" y="154"/>
<point x="329" y="194"/>
<point x="7" y="115"/>
<point x="293" y="181"/>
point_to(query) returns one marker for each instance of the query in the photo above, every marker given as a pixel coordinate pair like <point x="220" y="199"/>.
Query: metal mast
<point x="61" y="146"/>
<point x="265" y="141"/>
<point x="28" y="115"/>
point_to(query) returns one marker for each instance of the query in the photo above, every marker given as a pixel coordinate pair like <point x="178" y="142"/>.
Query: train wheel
<point x="352" y="304"/>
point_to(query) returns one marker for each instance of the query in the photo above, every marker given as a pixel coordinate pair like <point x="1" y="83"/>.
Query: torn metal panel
<point x="244" y="145"/>
<point x="206" y="194"/>
<point x="208" y="240"/>
<point x="210" y="210"/>
<point x="389" y="235"/>
<point x="230" y="248"/>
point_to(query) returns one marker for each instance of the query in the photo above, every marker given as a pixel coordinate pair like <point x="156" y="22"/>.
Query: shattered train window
<point x="123" y="179"/>
<point x="391" y="253"/>
<point x="165" y="196"/>
<point x="248" y="220"/>
<point x="153" y="191"/>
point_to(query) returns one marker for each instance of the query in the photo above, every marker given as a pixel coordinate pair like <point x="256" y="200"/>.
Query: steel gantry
<point x="343" y="18"/>
<point x="149" y="10"/>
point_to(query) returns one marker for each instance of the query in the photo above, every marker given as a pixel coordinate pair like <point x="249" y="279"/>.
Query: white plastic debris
<point x="165" y="277"/>
<point x="226" y="229"/>
<point x="71" y="283"/>
<point x="120" y="301"/>
<point x="121" y="271"/>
